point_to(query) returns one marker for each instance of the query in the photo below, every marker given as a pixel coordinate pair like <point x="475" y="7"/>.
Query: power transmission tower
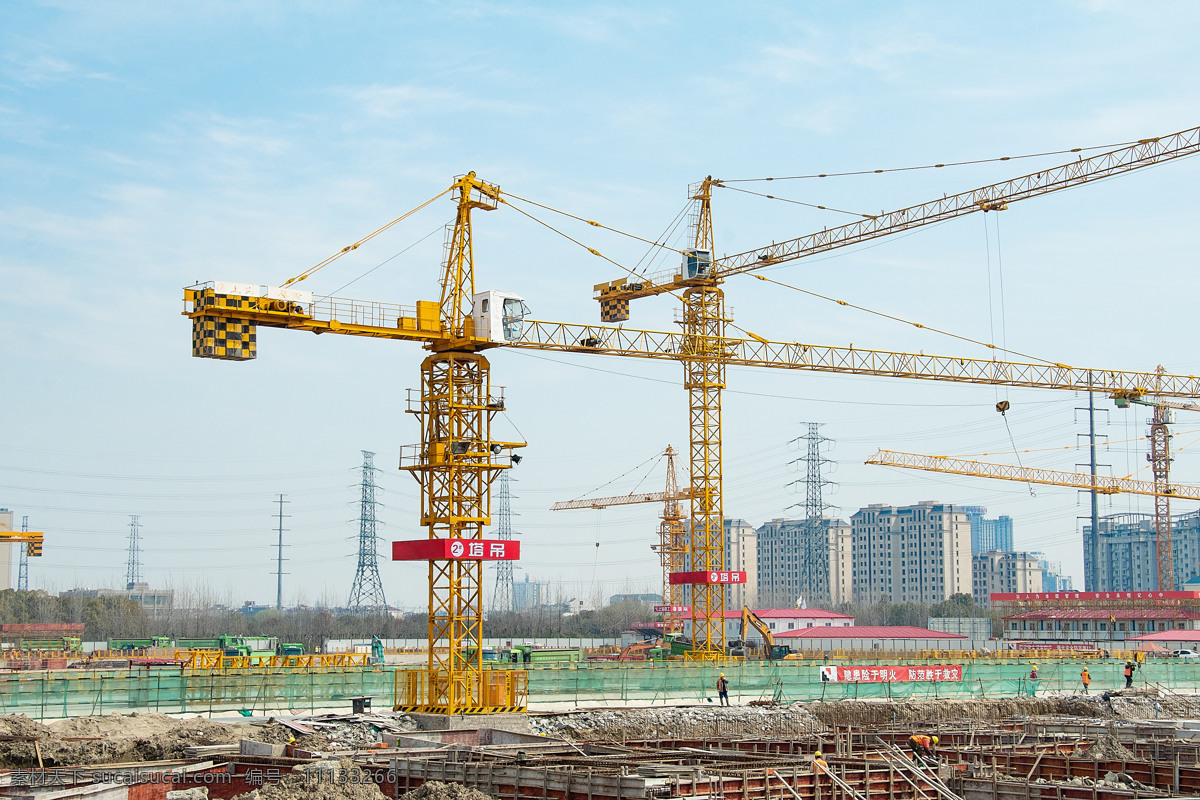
<point x="133" y="568"/>
<point x="279" y="573"/>
<point x="502" y="598"/>
<point x="23" y="565"/>
<point x="814" y="545"/>
<point x="366" y="594"/>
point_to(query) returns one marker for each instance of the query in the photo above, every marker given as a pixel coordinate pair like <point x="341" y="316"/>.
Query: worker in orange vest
<point x="1128" y="674"/>
<point x="922" y="746"/>
<point x="1086" y="678"/>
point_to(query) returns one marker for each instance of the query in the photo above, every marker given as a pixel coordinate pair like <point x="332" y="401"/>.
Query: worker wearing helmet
<point x="922" y="747"/>
<point x="818" y="763"/>
<point x="723" y="689"/>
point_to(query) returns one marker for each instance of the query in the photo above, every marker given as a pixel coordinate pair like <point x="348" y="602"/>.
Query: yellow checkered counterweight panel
<point x="614" y="310"/>
<point x="224" y="338"/>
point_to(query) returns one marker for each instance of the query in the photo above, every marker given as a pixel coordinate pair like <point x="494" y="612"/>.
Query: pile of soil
<point x="869" y="713"/>
<point x="323" y="780"/>
<point x="112" y="738"/>
<point x="281" y="734"/>
<point x="436" y="790"/>
<point x="1107" y="748"/>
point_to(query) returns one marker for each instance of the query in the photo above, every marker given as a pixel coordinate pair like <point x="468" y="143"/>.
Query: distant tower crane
<point x="1100" y="484"/>
<point x="1160" y="467"/>
<point x="672" y="535"/>
<point x="458" y="459"/>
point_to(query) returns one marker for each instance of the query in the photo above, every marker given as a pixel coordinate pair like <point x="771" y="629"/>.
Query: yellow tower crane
<point x="1160" y="467"/>
<point x="1158" y="488"/>
<point x="458" y="458"/>
<point x="672" y="535"/>
<point x="705" y="353"/>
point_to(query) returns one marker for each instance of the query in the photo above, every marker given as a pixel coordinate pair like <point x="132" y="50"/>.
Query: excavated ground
<point x="689" y="722"/>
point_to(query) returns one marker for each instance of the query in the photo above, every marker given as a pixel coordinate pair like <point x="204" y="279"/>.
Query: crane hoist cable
<point x="798" y="202"/>
<point x="935" y="166"/>
<point x="348" y="248"/>
<point x="656" y="457"/>
<point x="387" y="260"/>
<point x="586" y="221"/>
<point x="894" y="318"/>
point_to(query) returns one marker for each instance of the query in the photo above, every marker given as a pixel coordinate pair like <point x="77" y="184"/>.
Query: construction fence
<point x="262" y="691"/>
<point x="56" y="694"/>
<point x="650" y="682"/>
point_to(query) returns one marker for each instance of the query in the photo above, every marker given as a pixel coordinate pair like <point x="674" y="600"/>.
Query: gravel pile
<point x="685" y="722"/>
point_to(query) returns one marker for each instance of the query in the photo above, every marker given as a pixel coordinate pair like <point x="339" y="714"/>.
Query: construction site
<point x="1069" y="701"/>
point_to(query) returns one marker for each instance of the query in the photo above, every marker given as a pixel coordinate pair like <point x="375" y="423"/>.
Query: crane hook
<point x="1003" y="406"/>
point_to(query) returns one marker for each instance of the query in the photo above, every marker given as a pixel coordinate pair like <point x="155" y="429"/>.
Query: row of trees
<point x="110" y="617"/>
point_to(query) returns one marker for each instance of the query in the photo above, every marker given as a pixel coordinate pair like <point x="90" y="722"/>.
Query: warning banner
<point x="951" y="672"/>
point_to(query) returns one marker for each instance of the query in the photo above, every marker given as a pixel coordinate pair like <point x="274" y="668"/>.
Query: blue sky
<point x="144" y="146"/>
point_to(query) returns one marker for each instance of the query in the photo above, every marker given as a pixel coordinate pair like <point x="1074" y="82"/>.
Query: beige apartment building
<point x="910" y="554"/>
<point x="802" y="563"/>
<point x="999" y="571"/>
<point x="741" y="555"/>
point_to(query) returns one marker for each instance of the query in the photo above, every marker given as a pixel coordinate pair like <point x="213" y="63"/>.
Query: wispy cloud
<point x="42" y="70"/>
<point x="409" y="100"/>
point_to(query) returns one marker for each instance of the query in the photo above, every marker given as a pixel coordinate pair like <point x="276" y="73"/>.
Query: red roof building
<point x="780" y="621"/>
<point x="871" y="632"/>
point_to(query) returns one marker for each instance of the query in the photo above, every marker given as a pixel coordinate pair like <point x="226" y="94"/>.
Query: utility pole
<point x="133" y="567"/>
<point x="1092" y="575"/>
<point x="279" y="573"/>
<point x="366" y="593"/>
<point x="1095" y="582"/>
<point x="502" y="597"/>
<point x="23" y="564"/>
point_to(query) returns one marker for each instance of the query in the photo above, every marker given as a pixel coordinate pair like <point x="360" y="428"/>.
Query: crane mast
<point x="704" y="359"/>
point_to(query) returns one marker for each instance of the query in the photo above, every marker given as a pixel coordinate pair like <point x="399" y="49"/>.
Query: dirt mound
<point x="436" y="790"/>
<point x="868" y="713"/>
<point x="1107" y="748"/>
<point x="324" y="780"/>
<point x="110" y="738"/>
<point x="683" y="722"/>
<point x="281" y="734"/>
<point x="21" y="725"/>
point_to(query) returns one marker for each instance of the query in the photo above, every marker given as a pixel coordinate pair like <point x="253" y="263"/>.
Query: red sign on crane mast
<point x="456" y="550"/>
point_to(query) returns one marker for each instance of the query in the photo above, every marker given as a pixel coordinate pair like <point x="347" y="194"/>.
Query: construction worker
<point x="723" y="689"/>
<point x="922" y="747"/>
<point x="1128" y="674"/>
<point x="1033" y="674"/>
<point x="1086" y="678"/>
<point x="818" y="763"/>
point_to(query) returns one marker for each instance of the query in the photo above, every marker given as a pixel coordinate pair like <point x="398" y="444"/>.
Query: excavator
<point x="771" y="650"/>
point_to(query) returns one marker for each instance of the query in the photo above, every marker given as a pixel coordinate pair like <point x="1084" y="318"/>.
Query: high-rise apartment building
<point x="1000" y="571"/>
<point x="801" y="563"/>
<point x="1129" y="551"/>
<point x="911" y="554"/>
<point x="741" y="555"/>
<point x="988" y="534"/>
<point x="1053" y="579"/>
